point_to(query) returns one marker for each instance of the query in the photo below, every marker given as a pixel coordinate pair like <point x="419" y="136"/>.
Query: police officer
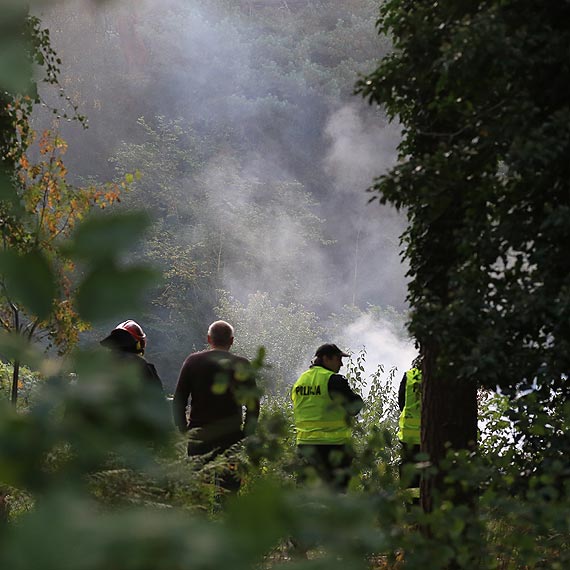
<point x="409" y="402"/>
<point x="323" y="404"/>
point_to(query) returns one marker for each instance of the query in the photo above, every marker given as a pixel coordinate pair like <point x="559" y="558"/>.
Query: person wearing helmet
<point x="128" y="341"/>
<point x="323" y="403"/>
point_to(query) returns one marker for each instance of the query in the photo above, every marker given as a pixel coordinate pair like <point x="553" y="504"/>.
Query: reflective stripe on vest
<point x="318" y="418"/>
<point x="410" y="418"/>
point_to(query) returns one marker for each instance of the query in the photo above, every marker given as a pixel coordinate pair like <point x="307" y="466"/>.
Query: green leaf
<point x="15" y="68"/>
<point x="221" y="383"/>
<point x="29" y="280"/>
<point x="13" y="346"/>
<point x="8" y="194"/>
<point x="102" y="237"/>
<point x="108" y="291"/>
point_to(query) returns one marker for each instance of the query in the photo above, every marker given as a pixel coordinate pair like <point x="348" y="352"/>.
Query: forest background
<point x="79" y="479"/>
<point x="252" y="159"/>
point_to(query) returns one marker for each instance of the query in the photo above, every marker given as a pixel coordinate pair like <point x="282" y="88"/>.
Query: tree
<point x="40" y="210"/>
<point x="484" y="179"/>
<point x="216" y="226"/>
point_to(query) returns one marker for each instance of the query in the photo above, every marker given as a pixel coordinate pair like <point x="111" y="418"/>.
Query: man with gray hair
<point x="215" y="385"/>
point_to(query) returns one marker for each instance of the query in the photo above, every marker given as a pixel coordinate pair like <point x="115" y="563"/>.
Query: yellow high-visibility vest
<point x="318" y="418"/>
<point x="411" y="416"/>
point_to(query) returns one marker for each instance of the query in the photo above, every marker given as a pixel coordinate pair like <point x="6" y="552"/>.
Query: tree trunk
<point x="15" y="382"/>
<point x="449" y="421"/>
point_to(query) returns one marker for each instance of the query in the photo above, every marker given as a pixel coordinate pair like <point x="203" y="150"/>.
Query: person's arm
<point x="340" y="389"/>
<point x="180" y="401"/>
<point x="247" y="394"/>
<point x="402" y="393"/>
<point x="252" y="408"/>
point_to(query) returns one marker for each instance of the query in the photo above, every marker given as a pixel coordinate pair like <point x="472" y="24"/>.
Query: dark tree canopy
<point x="481" y="89"/>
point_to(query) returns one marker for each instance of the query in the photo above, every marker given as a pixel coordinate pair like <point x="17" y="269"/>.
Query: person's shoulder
<point x="235" y="362"/>
<point x="338" y="378"/>
<point x="142" y="361"/>
<point x="240" y="359"/>
<point x="338" y="382"/>
<point x="225" y="355"/>
<point x="196" y="356"/>
<point x="150" y="365"/>
<point x="151" y="372"/>
<point x="127" y="356"/>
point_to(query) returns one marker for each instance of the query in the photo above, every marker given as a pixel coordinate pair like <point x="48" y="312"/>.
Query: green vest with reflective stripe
<point x="410" y="418"/>
<point x="318" y="419"/>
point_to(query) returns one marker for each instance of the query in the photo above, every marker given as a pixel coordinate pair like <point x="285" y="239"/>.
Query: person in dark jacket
<point x="214" y="386"/>
<point x="127" y="341"/>
<point x="323" y="404"/>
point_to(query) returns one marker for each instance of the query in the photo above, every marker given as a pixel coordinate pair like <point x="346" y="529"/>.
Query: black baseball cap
<point x="330" y="350"/>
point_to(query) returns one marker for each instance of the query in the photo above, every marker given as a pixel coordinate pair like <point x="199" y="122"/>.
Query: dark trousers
<point x="407" y="461"/>
<point x="228" y="477"/>
<point x="330" y="463"/>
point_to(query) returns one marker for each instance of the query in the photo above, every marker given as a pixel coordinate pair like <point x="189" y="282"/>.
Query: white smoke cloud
<point x="363" y="146"/>
<point x="359" y="151"/>
<point x="202" y="63"/>
<point x="383" y="346"/>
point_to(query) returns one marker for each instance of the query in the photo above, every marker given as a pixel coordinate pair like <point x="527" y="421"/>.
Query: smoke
<point x="266" y="226"/>
<point x="358" y="150"/>
<point x="362" y="145"/>
<point x="288" y="151"/>
<point x="383" y="345"/>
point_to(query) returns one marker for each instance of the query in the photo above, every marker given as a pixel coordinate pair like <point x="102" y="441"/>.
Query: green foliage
<point x="479" y="184"/>
<point x="109" y="287"/>
<point x="99" y="454"/>
<point x="40" y="209"/>
<point x="29" y="382"/>
<point x="15" y="64"/>
<point x="483" y="179"/>
<point x="496" y="431"/>
<point x="28" y="279"/>
<point x="213" y="226"/>
<point x="97" y="480"/>
<point x="378" y="389"/>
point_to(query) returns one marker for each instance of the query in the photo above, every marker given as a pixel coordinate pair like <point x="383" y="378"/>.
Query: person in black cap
<point x="323" y="403"/>
<point x="128" y="342"/>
